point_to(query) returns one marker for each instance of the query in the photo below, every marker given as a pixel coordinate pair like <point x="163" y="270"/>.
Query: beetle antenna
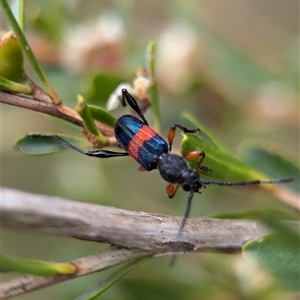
<point x="66" y="143"/>
<point x="95" y="153"/>
<point x="251" y="182"/>
<point x="133" y="104"/>
<point x="183" y="222"/>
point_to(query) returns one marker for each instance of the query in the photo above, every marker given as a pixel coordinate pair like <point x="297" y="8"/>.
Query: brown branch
<point x="59" y="111"/>
<point x="86" y="265"/>
<point x="148" y="232"/>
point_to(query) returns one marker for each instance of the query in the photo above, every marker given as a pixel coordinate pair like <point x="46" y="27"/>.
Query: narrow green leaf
<point x="44" y="143"/>
<point x="206" y="134"/>
<point x="150" y="56"/>
<point x="275" y="219"/>
<point x="266" y="157"/>
<point x="8" y="85"/>
<point x="86" y="115"/>
<point x="21" y="14"/>
<point x="35" y="267"/>
<point x="28" y="51"/>
<point x="83" y="110"/>
<point x="110" y="280"/>
<point x="98" y="87"/>
<point x="275" y="256"/>
<point x="17" y="8"/>
<point x="223" y="165"/>
<point x="259" y="213"/>
<point x="101" y="115"/>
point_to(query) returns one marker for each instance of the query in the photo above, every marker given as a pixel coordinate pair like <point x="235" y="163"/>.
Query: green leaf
<point x="28" y="51"/>
<point x="44" y="143"/>
<point x="101" y="115"/>
<point x="110" y="280"/>
<point x="275" y="256"/>
<point x="223" y="165"/>
<point x="83" y="110"/>
<point x="267" y="159"/>
<point x="150" y="56"/>
<point x="35" y="267"/>
<point x="98" y="87"/>
<point x="259" y="213"/>
<point x="275" y="219"/>
<point x="8" y="85"/>
<point x="21" y="14"/>
<point x="206" y="134"/>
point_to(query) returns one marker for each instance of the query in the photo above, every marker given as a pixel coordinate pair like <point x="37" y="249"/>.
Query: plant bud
<point x="11" y="57"/>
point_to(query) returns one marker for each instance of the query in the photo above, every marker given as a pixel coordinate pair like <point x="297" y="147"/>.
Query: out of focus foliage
<point x="232" y="64"/>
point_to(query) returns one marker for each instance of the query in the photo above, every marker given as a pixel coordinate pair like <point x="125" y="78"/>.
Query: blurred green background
<point x="233" y="64"/>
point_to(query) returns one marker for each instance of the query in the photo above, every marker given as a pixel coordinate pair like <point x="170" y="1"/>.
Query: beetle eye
<point x="186" y="187"/>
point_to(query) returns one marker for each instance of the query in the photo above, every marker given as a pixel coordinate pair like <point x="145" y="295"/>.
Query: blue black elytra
<point x="141" y="142"/>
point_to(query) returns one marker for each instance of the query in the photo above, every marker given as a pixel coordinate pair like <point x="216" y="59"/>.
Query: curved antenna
<point x="94" y="153"/>
<point x="133" y="104"/>
<point x="251" y="182"/>
<point x="183" y="222"/>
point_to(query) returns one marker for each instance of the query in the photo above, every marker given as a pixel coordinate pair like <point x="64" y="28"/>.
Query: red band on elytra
<point x="144" y="134"/>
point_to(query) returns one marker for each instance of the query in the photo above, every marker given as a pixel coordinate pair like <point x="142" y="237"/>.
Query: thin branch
<point x="86" y="265"/>
<point x="60" y="111"/>
<point x="148" y="232"/>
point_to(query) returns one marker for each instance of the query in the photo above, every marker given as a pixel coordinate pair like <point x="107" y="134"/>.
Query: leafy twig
<point x="86" y="265"/>
<point x="60" y="111"/>
<point x="28" y="51"/>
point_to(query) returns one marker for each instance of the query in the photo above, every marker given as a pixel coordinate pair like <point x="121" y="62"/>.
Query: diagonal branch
<point x="148" y="232"/>
<point x="59" y="111"/>
<point x="94" y="263"/>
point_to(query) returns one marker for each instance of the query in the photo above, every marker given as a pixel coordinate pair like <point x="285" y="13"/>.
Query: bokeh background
<point x="233" y="64"/>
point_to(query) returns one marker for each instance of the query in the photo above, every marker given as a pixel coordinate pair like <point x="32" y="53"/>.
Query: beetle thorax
<point x="174" y="169"/>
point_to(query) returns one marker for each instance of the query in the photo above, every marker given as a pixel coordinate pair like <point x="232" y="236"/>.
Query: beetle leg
<point x="171" y="189"/>
<point x="141" y="169"/>
<point x="196" y="154"/>
<point x="172" y="132"/>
